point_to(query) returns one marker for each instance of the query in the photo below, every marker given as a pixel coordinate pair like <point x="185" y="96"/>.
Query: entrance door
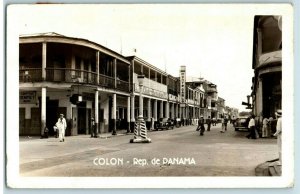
<point x="52" y="114"/>
<point x="35" y="122"/>
<point x="22" y="121"/>
<point x="81" y="125"/>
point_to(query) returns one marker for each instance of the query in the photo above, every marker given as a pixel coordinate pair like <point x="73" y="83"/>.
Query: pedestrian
<point x="93" y="128"/>
<point x="278" y="114"/>
<point x="222" y="125"/>
<point x="251" y="127"/>
<point x="271" y="125"/>
<point x="61" y="125"/>
<point x="225" y="123"/>
<point x="201" y="126"/>
<point x="208" y="121"/>
<point x="265" y="128"/>
<point x="214" y="121"/>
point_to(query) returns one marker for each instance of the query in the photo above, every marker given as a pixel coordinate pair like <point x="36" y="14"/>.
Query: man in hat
<point x="61" y="126"/>
<point x="201" y="125"/>
<point x="278" y="132"/>
<point x="208" y="121"/>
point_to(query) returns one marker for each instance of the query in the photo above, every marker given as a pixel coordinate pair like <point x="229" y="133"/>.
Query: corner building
<point x="267" y="65"/>
<point x="54" y="68"/>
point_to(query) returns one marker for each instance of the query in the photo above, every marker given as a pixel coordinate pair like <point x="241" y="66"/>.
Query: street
<point x="177" y="152"/>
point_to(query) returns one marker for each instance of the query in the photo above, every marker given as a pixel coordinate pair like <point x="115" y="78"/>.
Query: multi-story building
<point x="55" y="70"/>
<point x="83" y="80"/>
<point x="221" y="108"/>
<point x="267" y="64"/>
<point x="155" y="92"/>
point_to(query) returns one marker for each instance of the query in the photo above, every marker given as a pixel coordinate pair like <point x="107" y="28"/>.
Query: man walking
<point x="278" y="132"/>
<point x="252" y="129"/>
<point x="208" y="121"/>
<point x="201" y="125"/>
<point x="61" y="125"/>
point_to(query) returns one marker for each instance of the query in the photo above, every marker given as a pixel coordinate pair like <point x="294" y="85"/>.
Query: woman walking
<point x="265" y="128"/>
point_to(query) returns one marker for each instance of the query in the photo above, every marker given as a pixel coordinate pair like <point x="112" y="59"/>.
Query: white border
<point x="286" y="180"/>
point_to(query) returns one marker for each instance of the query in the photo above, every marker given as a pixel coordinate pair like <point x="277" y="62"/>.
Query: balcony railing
<point x="30" y="75"/>
<point x="72" y="76"/>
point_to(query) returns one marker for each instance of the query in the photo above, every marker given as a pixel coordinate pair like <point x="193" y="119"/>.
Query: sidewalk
<point x="101" y="135"/>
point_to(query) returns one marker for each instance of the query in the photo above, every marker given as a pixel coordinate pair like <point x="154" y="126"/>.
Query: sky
<point x="212" y="41"/>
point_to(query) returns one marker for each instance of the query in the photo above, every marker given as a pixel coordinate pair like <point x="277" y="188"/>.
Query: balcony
<point x="72" y="76"/>
<point x="30" y="75"/>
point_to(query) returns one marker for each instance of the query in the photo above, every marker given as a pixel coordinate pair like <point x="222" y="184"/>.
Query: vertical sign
<point x="182" y="85"/>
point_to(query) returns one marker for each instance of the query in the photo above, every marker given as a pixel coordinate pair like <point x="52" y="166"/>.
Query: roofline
<point x="59" y="36"/>
<point x="148" y="64"/>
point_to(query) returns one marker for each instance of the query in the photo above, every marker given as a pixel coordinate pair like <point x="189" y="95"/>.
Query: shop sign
<point x="182" y="84"/>
<point x="27" y="97"/>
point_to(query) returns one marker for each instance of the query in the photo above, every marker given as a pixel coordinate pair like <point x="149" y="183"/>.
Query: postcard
<point x="149" y="96"/>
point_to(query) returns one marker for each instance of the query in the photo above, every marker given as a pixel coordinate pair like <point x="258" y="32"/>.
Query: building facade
<point x="84" y="80"/>
<point x="267" y="65"/>
<point x="55" y="70"/>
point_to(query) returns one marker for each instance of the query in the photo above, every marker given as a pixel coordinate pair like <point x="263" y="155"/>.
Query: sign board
<point x="27" y="97"/>
<point x="182" y="75"/>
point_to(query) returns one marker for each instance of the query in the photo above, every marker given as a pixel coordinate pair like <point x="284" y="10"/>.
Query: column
<point x="132" y="120"/>
<point x="167" y="111"/>
<point x="44" y="60"/>
<point x="114" y="113"/>
<point x="194" y="112"/>
<point x="149" y="113"/>
<point x="161" y="112"/>
<point x="180" y="111"/>
<point x="172" y="111"/>
<point x="141" y="104"/>
<point x="259" y="97"/>
<point x="149" y="110"/>
<point x="155" y="110"/>
<point x="96" y="114"/>
<point x="43" y="111"/>
<point x="128" y="114"/>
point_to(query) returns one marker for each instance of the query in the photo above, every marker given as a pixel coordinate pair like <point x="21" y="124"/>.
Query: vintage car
<point x="164" y="123"/>
<point x="241" y="122"/>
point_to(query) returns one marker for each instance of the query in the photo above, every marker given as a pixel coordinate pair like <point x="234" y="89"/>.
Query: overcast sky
<point x="212" y="41"/>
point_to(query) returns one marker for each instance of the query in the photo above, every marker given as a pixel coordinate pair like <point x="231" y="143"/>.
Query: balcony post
<point x="44" y="60"/>
<point x="115" y="72"/>
<point x="97" y="66"/>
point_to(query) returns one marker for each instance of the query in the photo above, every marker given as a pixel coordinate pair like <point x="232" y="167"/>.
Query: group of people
<point x="210" y="122"/>
<point x="266" y="130"/>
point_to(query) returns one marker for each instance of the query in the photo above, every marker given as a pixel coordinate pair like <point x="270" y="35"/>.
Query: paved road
<point x="181" y="152"/>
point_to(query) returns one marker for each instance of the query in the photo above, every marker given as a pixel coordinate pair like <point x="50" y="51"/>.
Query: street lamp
<point x="140" y="130"/>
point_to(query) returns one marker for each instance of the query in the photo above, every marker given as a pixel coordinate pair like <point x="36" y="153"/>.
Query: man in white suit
<point x="61" y="125"/>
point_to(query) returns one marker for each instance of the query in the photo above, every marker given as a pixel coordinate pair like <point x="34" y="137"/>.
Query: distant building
<point x="267" y="64"/>
<point x="222" y="111"/>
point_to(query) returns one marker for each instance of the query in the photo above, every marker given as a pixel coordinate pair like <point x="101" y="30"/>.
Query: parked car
<point x="241" y="123"/>
<point x="165" y="123"/>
